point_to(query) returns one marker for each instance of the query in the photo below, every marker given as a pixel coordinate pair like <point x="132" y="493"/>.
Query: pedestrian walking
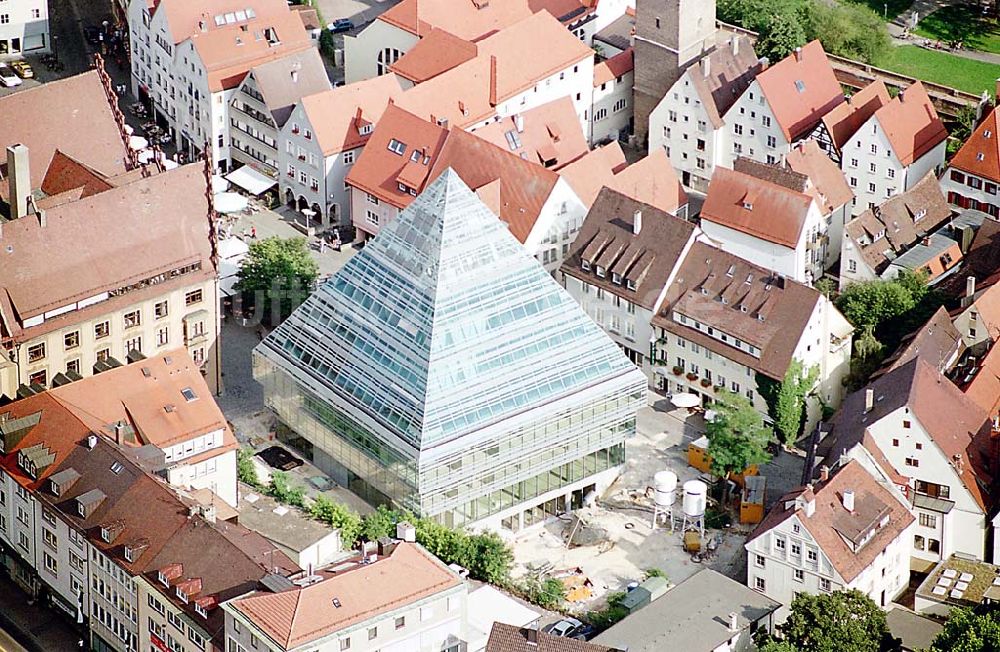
<point x="253" y="232"/>
<point x="322" y="246"/>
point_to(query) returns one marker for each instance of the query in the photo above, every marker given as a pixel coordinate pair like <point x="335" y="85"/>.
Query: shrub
<point x="283" y="491"/>
<point x="338" y="516"/>
<point x="246" y="472"/>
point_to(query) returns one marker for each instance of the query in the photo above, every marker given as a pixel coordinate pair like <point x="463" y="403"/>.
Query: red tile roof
<point x="72" y="115"/>
<point x="587" y="175"/>
<point x="65" y="174"/>
<point x="651" y="180"/>
<point x="832" y="525"/>
<point x="911" y="123"/>
<point x="980" y="155"/>
<point x="845" y="120"/>
<point x="756" y="207"/>
<point x="801" y="89"/>
<point x="338" y="115"/>
<point x="377" y="169"/>
<point x="550" y="133"/>
<point x="298" y="616"/>
<point x="471" y="20"/>
<point x="435" y="53"/>
<point x="828" y="185"/>
<point x="616" y="66"/>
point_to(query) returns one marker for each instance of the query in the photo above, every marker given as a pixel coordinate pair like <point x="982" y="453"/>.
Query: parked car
<point x="23" y="69"/>
<point x="341" y="25"/>
<point x="566" y="627"/>
<point x="7" y="76"/>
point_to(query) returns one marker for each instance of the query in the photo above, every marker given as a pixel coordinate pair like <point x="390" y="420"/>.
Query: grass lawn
<point x="961" y="23"/>
<point x="896" y="7"/>
<point x="942" y="68"/>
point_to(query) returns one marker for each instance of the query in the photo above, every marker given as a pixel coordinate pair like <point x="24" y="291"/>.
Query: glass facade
<point x="446" y="371"/>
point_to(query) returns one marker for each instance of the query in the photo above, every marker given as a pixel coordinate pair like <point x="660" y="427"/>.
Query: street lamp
<point x="885" y="13"/>
<point x="55" y="47"/>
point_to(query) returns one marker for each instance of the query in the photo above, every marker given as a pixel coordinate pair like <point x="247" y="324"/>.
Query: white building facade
<point x="24" y="28"/>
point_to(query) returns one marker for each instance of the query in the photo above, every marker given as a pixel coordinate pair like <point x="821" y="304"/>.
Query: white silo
<point x="664" y="497"/>
<point x="694" y="504"/>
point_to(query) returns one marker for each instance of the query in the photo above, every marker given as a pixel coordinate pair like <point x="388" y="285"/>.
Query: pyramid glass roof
<point x="442" y="325"/>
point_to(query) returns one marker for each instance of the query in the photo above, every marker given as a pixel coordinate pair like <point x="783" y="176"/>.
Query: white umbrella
<point x="129" y="129"/>
<point x="137" y="142"/>
<point x="230" y="202"/>
<point x="146" y="156"/>
<point x="170" y="165"/>
<point x="219" y="184"/>
<point x="685" y="400"/>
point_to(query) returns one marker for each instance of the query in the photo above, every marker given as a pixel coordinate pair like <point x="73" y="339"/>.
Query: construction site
<point x="660" y="514"/>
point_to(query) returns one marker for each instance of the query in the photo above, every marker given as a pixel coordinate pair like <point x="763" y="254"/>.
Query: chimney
<point x="970" y="287"/>
<point x="531" y="636"/>
<point x="736" y="45"/>
<point x="202" y="26"/>
<point x="926" y="241"/>
<point x="119" y="427"/>
<point x="295" y="76"/>
<point x="42" y="222"/>
<point x="19" y="180"/>
<point x="959" y="463"/>
<point x="734" y="622"/>
<point x="869" y="399"/>
<point x="824" y="473"/>
<point x="519" y="123"/>
<point x="798" y="54"/>
<point x="706" y="66"/>
<point x="902" y="94"/>
<point x="849" y="500"/>
<point x="636" y="222"/>
<point x="493" y="80"/>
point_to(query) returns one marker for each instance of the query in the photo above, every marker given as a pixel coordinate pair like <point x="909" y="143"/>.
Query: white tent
<point x="230" y="202"/>
<point x="251" y="180"/>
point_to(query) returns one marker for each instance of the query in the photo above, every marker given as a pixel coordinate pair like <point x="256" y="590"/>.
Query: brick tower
<point x="670" y="35"/>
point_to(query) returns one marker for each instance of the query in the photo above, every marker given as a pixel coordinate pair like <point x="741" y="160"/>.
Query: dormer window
<point x="616" y="278"/>
<point x="397" y="147"/>
<point x="365" y="129"/>
<point x="630" y="284"/>
<point x="129" y="554"/>
<point x="585" y="264"/>
<point x="987" y="133"/>
<point x="920" y="213"/>
<point x="81" y="510"/>
<point x="105" y="535"/>
<point x="402" y="187"/>
<point x="54" y="487"/>
<point x="748" y="205"/>
<point x="181" y="595"/>
<point x="200" y="610"/>
<point x="162" y="578"/>
<point x="600" y="271"/>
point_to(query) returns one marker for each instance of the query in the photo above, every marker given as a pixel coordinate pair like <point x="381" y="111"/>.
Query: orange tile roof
<point x="829" y="186"/>
<point x="72" y="115"/>
<point x="377" y="169"/>
<point x="334" y="117"/>
<point x="911" y="123"/>
<point x="128" y="394"/>
<point x="984" y="388"/>
<point x="470" y="20"/>
<point x="845" y="119"/>
<point x="184" y="17"/>
<point x="62" y="263"/>
<point x="66" y="173"/>
<point x="516" y="71"/>
<point x="57" y="429"/>
<point x="587" y="175"/>
<point x="832" y="525"/>
<point x="797" y="111"/>
<point x="552" y="127"/>
<point x="615" y="67"/>
<point x="777" y="213"/>
<point x="651" y="180"/>
<point x="435" y="53"/>
<point x="229" y="52"/>
<point x="980" y="155"/>
<point x="300" y="615"/>
<point x="524" y="186"/>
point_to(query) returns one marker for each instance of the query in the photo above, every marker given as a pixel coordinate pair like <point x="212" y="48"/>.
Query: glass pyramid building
<point x="443" y="371"/>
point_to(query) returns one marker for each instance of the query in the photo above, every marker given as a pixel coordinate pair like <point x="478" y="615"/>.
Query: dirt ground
<point x="618" y="542"/>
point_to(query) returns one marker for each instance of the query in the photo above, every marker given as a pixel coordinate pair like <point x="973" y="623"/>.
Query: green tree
<point x="967" y="631"/>
<point x="777" y="646"/>
<point x="790" y="403"/>
<point x="283" y="491"/>
<point x="782" y="33"/>
<point x="871" y="303"/>
<point x="848" y="30"/>
<point x="246" y="472"/>
<point x="278" y="272"/>
<point x="338" y="516"/>
<point x="548" y="594"/>
<point x="737" y="436"/>
<point x="380" y="523"/>
<point x="834" y="622"/>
